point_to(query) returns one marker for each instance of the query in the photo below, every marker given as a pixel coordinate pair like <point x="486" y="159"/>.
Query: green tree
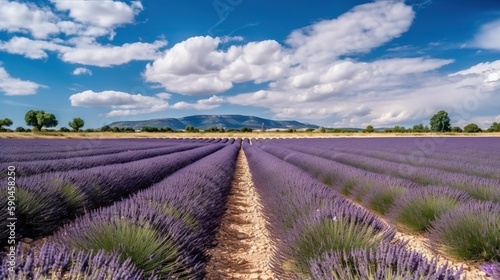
<point x="5" y="122"/>
<point x="106" y="128"/>
<point x="40" y="119"/>
<point x="440" y="122"/>
<point x="20" y="129"/>
<point x="76" y="124"/>
<point x="495" y="127"/>
<point x="369" y="129"/>
<point x="64" y="129"/>
<point x="190" y="128"/>
<point x="456" y="129"/>
<point x="472" y="128"/>
<point x="418" y="128"/>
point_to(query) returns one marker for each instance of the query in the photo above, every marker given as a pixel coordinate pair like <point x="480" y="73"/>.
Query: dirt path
<point x="243" y="248"/>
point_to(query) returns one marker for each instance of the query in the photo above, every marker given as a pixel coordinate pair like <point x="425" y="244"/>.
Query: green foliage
<point x="418" y="213"/>
<point x="382" y="199"/>
<point x="20" y="129"/>
<point x="495" y="127"/>
<point x="420" y="128"/>
<point x="190" y="128"/>
<point x="5" y="122"/>
<point x="106" y="128"/>
<point x="321" y="129"/>
<point x="440" y="122"/>
<point x="150" y="129"/>
<point x="76" y="124"/>
<point x="40" y="119"/>
<point x="213" y="129"/>
<point x="246" y="129"/>
<point x="456" y="129"/>
<point x="89" y="130"/>
<point x="330" y="234"/>
<point x="145" y="246"/>
<point x="64" y="129"/>
<point x="472" y="128"/>
<point x="369" y="129"/>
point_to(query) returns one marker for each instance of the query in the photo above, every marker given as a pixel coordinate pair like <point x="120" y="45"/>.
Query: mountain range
<point x="207" y="121"/>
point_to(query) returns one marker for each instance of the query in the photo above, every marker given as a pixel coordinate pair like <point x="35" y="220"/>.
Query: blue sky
<point x="332" y="63"/>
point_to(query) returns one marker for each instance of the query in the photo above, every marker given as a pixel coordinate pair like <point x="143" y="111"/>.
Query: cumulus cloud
<point x="202" y="104"/>
<point x="84" y="22"/>
<point x="27" y="18"/>
<point x="105" y="56"/>
<point x="84" y="53"/>
<point x="357" y="31"/>
<point x="82" y="71"/>
<point x="126" y="104"/>
<point x="488" y="38"/>
<point x="100" y="13"/>
<point x="196" y="65"/>
<point x="15" y="86"/>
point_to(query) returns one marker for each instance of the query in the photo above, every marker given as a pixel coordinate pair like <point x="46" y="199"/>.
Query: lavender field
<point x="151" y="208"/>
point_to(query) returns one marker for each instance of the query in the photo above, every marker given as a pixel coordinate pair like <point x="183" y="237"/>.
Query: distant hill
<point x="207" y="121"/>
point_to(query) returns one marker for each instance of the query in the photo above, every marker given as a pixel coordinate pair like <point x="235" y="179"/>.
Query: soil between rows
<point x="243" y="248"/>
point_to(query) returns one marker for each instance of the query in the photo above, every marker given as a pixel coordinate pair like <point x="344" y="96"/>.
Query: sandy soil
<point x="243" y="247"/>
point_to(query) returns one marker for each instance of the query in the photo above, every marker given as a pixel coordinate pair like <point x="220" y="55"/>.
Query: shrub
<point x="142" y="243"/>
<point x="382" y="198"/>
<point x="386" y="261"/>
<point x="470" y="232"/>
<point x="52" y="262"/>
<point x="418" y="208"/>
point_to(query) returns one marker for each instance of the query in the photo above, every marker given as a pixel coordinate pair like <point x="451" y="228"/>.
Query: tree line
<point x="38" y="119"/>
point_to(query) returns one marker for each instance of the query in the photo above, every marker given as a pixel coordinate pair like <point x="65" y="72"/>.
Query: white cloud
<point x="34" y="49"/>
<point x="120" y="103"/>
<point x="84" y="53"/>
<point x="357" y="31"/>
<point x="105" y="56"/>
<point x="488" y="38"/>
<point x="202" y="104"/>
<point x="81" y="23"/>
<point x="196" y="66"/>
<point x="27" y="18"/>
<point x="82" y="71"/>
<point x="15" y="86"/>
<point x="105" y="14"/>
<point x="126" y="104"/>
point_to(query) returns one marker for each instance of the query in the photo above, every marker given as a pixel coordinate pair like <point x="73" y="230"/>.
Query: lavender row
<point x="164" y="231"/>
<point x="41" y="146"/>
<point x="26" y="168"/>
<point x="60" y="149"/>
<point x="52" y="262"/>
<point x="471" y="228"/>
<point x="308" y="221"/>
<point x="72" y="152"/>
<point x="48" y="200"/>
<point x="477" y="187"/>
<point x="481" y="152"/>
